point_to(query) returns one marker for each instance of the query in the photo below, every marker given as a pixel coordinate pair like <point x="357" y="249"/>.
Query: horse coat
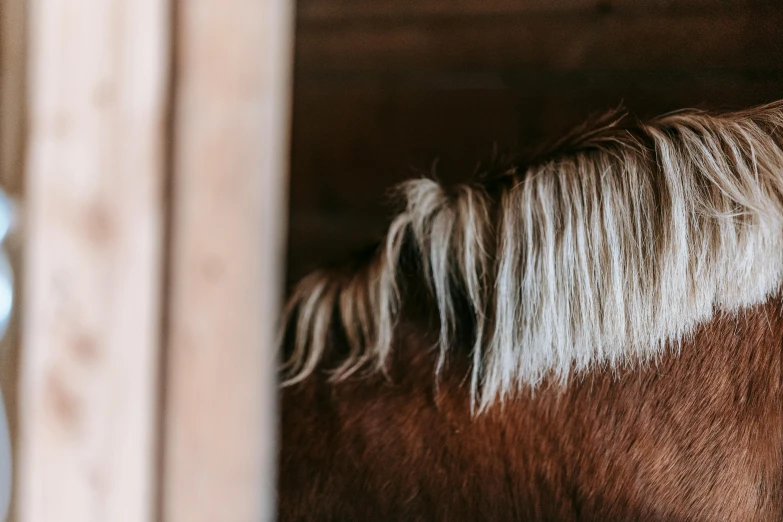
<point x="594" y="334"/>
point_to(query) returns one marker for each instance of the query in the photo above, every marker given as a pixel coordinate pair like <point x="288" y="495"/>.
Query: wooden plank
<point x="740" y="40"/>
<point x="230" y="190"/>
<point x="347" y="139"/>
<point x="93" y="255"/>
<point x="317" y="239"/>
<point x="334" y="10"/>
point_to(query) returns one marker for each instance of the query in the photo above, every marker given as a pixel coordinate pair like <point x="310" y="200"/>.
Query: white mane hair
<point x="600" y="256"/>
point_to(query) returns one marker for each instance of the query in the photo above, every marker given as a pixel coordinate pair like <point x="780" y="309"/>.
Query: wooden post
<point x="232" y="99"/>
<point x="94" y="223"/>
<point x="102" y="141"/>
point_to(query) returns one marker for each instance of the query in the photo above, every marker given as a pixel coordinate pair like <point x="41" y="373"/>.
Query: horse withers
<point x="595" y="334"/>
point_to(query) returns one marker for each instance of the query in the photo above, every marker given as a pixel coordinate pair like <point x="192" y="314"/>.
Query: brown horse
<point x="594" y="335"/>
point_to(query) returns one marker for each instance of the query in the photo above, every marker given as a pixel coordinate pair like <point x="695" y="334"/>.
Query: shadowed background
<point x="383" y="88"/>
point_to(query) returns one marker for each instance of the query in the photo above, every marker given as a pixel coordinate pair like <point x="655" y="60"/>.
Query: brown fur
<point x="699" y="436"/>
<point x="695" y="435"/>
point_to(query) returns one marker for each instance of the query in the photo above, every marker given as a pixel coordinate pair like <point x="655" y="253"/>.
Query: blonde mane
<point x="599" y="256"/>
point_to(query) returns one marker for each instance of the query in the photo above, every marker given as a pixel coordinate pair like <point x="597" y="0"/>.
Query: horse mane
<point x="604" y="251"/>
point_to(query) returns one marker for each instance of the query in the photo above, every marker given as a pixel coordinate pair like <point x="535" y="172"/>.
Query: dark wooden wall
<point x="385" y="87"/>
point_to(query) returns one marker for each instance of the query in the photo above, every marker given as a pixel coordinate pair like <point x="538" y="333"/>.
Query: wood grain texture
<point x="333" y="10"/>
<point x="742" y="39"/>
<point x="231" y="121"/>
<point x="93" y="254"/>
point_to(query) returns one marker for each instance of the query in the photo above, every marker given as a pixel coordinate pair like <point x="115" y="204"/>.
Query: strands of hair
<point x="605" y="251"/>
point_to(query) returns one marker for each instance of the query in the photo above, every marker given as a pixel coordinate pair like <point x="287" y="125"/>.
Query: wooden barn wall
<point x="384" y="88"/>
